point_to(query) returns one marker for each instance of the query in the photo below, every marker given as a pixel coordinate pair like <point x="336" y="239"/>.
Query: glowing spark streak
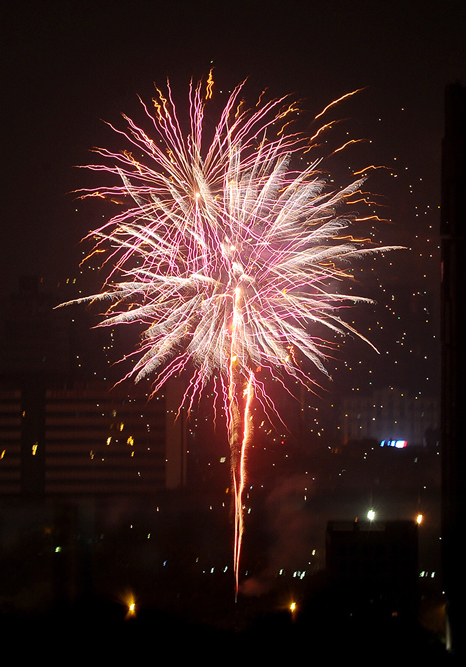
<point x="348" y="143"/>
<point x="94" y="252"/>
<point x="237" y="449"/>
<point x="372" y="217"/>
<point x="340" y="99"/>
<point x="371" y="166"/>
<point x="209" y="85"/>
<point x="240" y="476"/>
<point x="321" y="129"/>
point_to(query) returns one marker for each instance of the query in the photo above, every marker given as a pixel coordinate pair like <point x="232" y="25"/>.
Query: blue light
<point x="398" y="444"/>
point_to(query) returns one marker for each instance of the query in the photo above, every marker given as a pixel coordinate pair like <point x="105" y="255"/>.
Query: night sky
<point x="66" y="66"/>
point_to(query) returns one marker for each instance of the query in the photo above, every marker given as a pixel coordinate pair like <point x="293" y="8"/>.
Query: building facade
<point x="453" y="292"/>
<point x="90" y="439"/>
<point x="390" y="414"/>
<point x="373" y="567"/>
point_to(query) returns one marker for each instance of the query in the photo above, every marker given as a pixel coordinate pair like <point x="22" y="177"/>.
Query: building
<point x="453" y="316"/>
<point x="84" y="454"/>
<point x="372" y="567"/>
<point x="62" y="431"/>
<point x="90" y="439"/>
<point x="35" y="338"/>
<point x="390" y="414"/>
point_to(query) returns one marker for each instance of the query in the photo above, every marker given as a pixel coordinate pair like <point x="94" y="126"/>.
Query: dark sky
<point x="68" y="64"/>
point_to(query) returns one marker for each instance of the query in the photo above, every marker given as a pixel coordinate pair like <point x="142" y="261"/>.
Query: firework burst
<point x="225" y="252"/>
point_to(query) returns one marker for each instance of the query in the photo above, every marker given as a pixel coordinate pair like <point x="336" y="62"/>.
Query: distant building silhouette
<point x="453" y="297"/>
<point x="390" y="413"/>
<point x="89" y="440"/>
<point x="35" y="338"/>
<point x="63" y="434"/>
<point x="372" y="568"/>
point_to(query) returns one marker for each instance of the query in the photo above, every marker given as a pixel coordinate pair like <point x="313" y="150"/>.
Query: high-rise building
<point x="35" y="338"/>
<point x="63" y="432"/>
<point x="372" y="567"/>
<point x="453" y="312"/>
<point x="89" y="439"/>
<point x="390" y="414"/>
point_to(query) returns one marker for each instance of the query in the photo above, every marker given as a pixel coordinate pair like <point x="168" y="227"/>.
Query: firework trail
<point x="225" y="253"/>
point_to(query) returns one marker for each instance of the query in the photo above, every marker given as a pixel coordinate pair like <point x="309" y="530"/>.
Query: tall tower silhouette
<point x="453" y="402"/>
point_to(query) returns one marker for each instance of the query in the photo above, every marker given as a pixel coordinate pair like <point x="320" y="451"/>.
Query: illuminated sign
<point x="399" y="444"/>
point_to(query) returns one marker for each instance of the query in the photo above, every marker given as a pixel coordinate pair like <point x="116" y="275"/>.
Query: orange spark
<point x="371" y="166"/>
<point x="351" y="141"/>
<point x="240" y="483"/>
<point x="340" y="99"/>
<point x="209" y="85"/>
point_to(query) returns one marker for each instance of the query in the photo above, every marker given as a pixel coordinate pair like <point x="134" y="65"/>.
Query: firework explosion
<point x="225" y="253"/>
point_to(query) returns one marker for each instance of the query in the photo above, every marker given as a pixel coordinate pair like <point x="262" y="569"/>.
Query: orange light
<point x="129" y="601"/>
<point x="210" y="83"/>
